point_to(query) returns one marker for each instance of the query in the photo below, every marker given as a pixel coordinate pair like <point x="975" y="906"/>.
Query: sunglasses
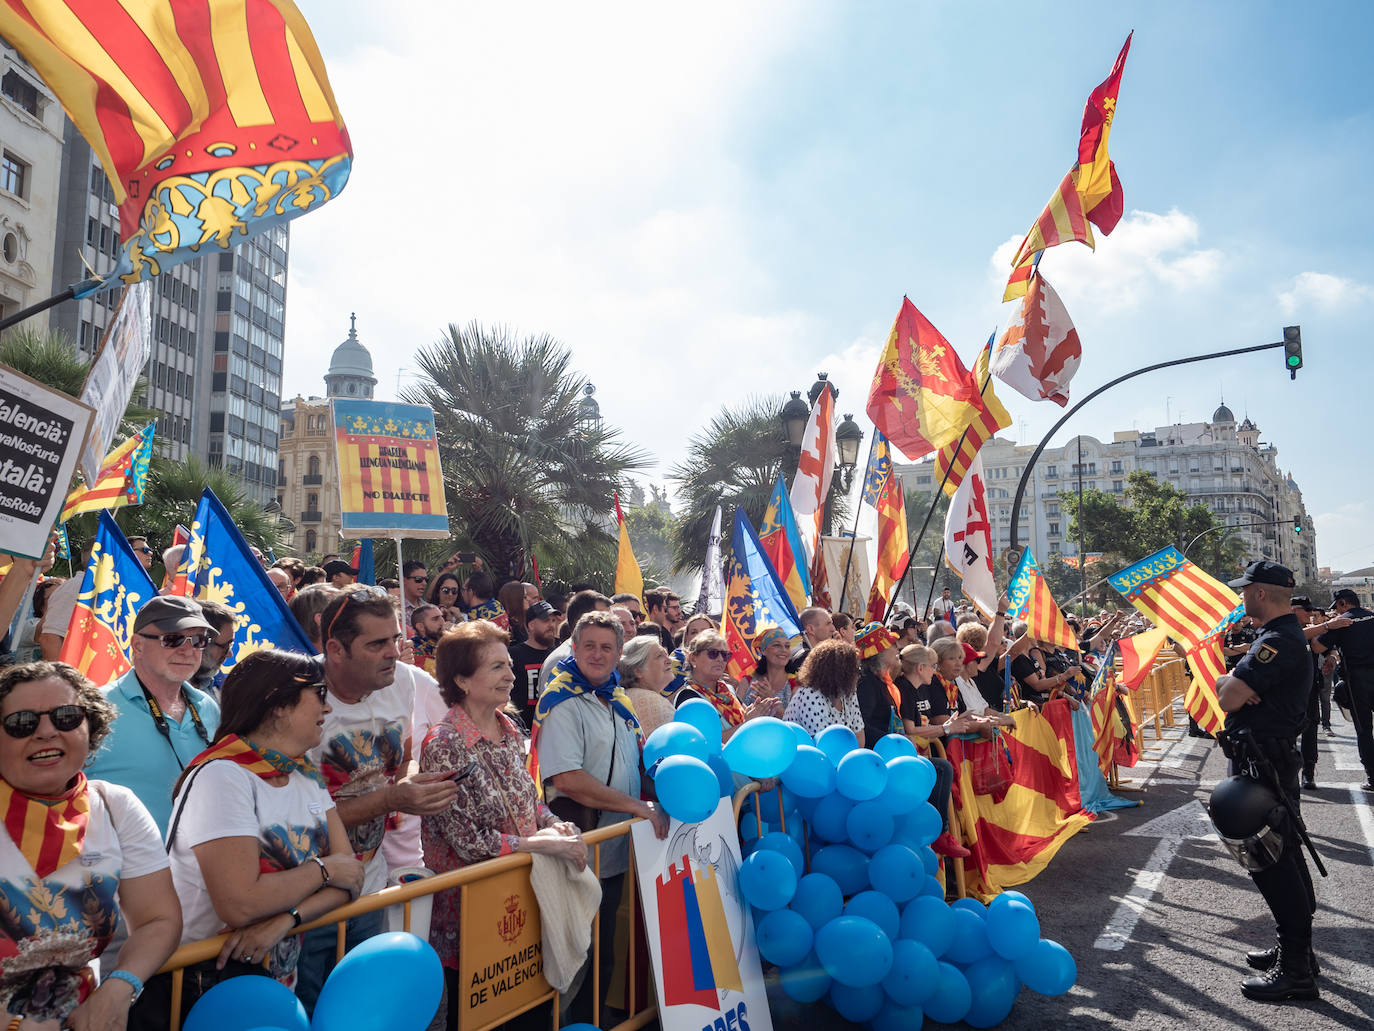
<point x="24" y="723"/>
<point x="418" y="579"/>
<point x="145" y="549"/>
<point x="448" y="590"/>
<point x="318" y="686"/>
<point x="173" y="641"/>
<point x="716" y="653"/>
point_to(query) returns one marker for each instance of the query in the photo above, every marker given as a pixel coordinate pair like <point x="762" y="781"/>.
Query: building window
<point x="14" y="174"/>
<point x="1054" y="529"/>
<point x="1116" y="467"/>
<point x="1054" y="547"/>
<point x="1116" y="486"/>
<point x="309" y="541"/>
<point x="312" y="502"/>
<point x="313" y="465"/>
<point x="1052" y="472"/>
<point x="21" y="91"/>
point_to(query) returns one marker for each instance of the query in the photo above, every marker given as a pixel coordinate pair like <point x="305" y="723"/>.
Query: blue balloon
<point x="702" y="714"/>
<point x="875" y="906"/>
<point x="830" y="817"/>
<point x="777" y="841"/>
<point x="933" y="888"/>
<point x="767" y="802"/>
<point x="972" y="905"/>
<point x="858" y="1005"/>
<point x="914" y="973"/>
<point x="951" y="999"/>
<point x="784" y="937"/>
<point x="391" y="982"/>
<point x="890" y="746"/>
<point x="929" y="921"/>
<point x="994" y="985"/>
<point x="806" y="981"/>
<point x="818" y="899"/>
<point x="675" y="738"/>
<point x="893" y="1017"/>
<point x="803" y="738"/>
<point x="687" y="788"/>
<point x="767" y="879"/>
<point x="1010" y="896"/>
<point x="854" y="951"/>
<point x="930" y="862"/>
<point x="907" y="786"/>
<point x="724" y="777"/>
<point x="869" y="826"/>
<point x="1048" y="968"/>
<point x="847" y="866"/>
<point x="896" y="871"/>
<point x="762" y="747"/>
<point x="861" y="775"/>
<point x="970" y="938"/>
<point x="1013" y="929"/>
<point x="810" y="775"/>
<point x="922" y="825"/>
<point x="249" y="1001"/>
<point x="836" y="742"/>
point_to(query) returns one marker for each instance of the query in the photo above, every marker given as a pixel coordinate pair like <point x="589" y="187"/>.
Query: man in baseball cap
<point x="1263" y="572"/>
<point x="340" y="573"/>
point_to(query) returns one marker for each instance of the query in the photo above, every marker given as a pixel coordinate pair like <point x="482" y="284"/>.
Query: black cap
<point x="540" y="610"/>
<point x="337" y="566"/>
<point x="1345" y="594"/>
<point x="1265" y="573"/>
<point x="1301" y="601"/>
<point x="170" y="612"/>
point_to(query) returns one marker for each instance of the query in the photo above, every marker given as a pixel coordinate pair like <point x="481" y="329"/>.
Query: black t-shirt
<point x="1356" y="643"/>
<point x="928" y="701"/>
<point x="1024" y="666"/>
<point x="989" y="684"/>
<point x="798" y="656"/>
<point x="526" y="660"/>
<point x="1278" y="670"/>
<point x="876" y="706"/>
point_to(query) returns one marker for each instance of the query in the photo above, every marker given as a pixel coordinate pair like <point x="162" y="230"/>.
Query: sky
<point x="714" y="203"/>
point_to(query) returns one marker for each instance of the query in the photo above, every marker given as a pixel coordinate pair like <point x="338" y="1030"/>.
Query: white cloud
<point x="1145" y="253"/>
<point x="1320" y="290"/>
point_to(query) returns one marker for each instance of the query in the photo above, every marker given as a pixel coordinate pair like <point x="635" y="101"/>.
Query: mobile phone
<point x="457" y="775"/>
<point x="465" y="558"/>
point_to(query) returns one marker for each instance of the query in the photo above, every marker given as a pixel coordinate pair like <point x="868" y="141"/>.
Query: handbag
<point x="990" y="768"/>
<point x="572" y="811"/>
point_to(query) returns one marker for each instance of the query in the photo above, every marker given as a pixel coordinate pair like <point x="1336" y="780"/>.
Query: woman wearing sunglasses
<point x="257" y="847"/>
<point x="446" y="592"/>
<point x="78" y="857"/>
<point x="707" y="657"/>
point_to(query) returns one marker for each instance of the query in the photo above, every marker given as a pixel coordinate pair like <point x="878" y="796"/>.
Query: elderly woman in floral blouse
<point x="497" y="810"/>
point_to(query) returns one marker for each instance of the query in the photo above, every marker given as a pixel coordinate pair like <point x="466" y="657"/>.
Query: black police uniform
<point x="1356" y="644"/>
<point x="1278" y="669"/>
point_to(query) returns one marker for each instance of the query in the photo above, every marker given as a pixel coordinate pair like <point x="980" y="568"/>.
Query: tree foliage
<point x="522" y="462"/>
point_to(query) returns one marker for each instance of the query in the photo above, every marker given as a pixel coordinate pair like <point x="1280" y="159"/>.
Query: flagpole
<point x="935" y="575"/>
<point x="854" y="533"/>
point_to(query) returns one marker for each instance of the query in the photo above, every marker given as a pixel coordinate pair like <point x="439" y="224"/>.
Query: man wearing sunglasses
<point x="414" y="578"/>
<point x="164" y="721"/>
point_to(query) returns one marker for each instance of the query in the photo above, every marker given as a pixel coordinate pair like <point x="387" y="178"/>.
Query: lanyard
<point x="160" y="721"/>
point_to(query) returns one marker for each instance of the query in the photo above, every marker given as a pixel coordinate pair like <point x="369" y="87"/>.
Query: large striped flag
<point x="1061" y="221"/>
<point x="1113" y="734"/>
<point x="952" y="461"/>
<point x="781" y="541"/>
<point x="1175" y="595"/>
<point x="1207" y="662"/>
<point x="1138" y="655"/>
<point x="213" y="119"/>
<point x="114" y="587"/>
<point x="629" y="579"/>
<point x="815" y="467"/>
<point x="753" y="598"/>
<point x="893" y="547"/>
<point x="1029" y="598"/>
<point x="865" y="496"/>
<point x="123" y="477"/>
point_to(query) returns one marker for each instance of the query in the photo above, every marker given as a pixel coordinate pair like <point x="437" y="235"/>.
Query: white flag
<point x="711" y="600"/>
<point x="968" y="539"/>
<point x="811" y="485"/>
<point x="1038" y="352"/>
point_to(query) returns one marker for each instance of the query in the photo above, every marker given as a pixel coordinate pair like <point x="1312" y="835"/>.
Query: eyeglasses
<point x="638" y="616"/>
<point x="418" y="579"/>
<point x="173" y="641"/>
<point x="221" y="647"/>
<point x="716" y="653"/>
<point x="24" y="723"/>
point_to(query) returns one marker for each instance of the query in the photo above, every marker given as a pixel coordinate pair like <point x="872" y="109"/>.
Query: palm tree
<point x="525" y="460"/>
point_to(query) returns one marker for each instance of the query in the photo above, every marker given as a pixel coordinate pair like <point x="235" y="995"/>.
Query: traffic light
<point x="1297" y="526"/>
<point x="1292" y="350"/>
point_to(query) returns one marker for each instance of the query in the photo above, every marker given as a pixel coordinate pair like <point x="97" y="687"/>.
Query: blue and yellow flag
<point x="123" y="477"/>
<point x="1029" y="598"/>
<point x="218" y="566"/>
<point x="754" y="597"/>
<point x="64" y="548"/>
<point x="1176" y="595"/>
<point x="114" y="588"/>
<point x="781" y="541"/>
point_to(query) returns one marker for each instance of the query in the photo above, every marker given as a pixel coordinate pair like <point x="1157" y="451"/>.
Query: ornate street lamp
<point x="848" y="437"/>
<point x="794" y="416"/>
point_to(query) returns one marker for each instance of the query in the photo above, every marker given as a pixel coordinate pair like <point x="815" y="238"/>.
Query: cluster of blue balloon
<point x="870" y="912"/>
<point x="391" y="982"/>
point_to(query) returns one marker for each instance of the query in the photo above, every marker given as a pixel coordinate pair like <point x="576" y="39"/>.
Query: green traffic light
<point x="1294" y="361"/>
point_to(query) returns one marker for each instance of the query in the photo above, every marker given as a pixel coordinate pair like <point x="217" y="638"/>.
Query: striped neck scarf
<point x="265" y="762"/>
<point x="720" y="695"/>
<point x="569" y="682"/>
<point x="48" y="830"/>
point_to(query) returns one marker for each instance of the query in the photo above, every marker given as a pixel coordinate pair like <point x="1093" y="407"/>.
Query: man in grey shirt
<point x="589" y="752"/>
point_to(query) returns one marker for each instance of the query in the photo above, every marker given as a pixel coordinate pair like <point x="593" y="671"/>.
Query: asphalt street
<point x="1159" y="916"/>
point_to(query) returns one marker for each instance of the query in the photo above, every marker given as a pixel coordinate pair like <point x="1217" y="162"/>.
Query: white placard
<point x="110" y="383"/>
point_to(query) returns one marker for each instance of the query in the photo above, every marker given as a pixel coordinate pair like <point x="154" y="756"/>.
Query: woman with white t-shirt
<point x="77" y="858"/>
<point x="257" y="847"/>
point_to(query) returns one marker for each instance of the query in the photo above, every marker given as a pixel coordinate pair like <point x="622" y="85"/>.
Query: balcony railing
<point x="311" y="516"/>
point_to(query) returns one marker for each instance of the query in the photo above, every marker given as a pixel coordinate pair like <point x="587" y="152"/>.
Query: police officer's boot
<point x="1291" y="977"/>
<point x="1264" y="959"/>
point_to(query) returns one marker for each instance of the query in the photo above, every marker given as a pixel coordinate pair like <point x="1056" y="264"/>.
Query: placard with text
<point x="390" y="484"/>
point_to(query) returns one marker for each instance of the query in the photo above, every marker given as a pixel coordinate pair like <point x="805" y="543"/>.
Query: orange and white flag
<point x="1038" y="351"/>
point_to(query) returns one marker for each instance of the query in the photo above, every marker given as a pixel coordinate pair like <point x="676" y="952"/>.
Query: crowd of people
<point x="441" y="722"/>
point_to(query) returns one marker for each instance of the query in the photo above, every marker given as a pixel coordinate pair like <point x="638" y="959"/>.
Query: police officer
<point x="1266" y="696"/>
<point x="1303" y="611"/>
<point x="1352" y="632"/>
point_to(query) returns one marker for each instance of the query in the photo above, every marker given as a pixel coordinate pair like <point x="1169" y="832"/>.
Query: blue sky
<point x="719" y="203"/>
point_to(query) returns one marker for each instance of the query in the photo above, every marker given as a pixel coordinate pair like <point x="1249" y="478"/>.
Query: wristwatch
<point x="129" y="979"/>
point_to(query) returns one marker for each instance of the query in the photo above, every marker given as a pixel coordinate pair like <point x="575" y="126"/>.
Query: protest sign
<point x="389" y="479"/>
<point x="110" y="382"/>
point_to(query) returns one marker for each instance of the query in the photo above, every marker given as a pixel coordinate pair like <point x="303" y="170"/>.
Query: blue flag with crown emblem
<point x="218" y="566"/>
<point x="754" y="598"/>
<point x="114" y="587"/>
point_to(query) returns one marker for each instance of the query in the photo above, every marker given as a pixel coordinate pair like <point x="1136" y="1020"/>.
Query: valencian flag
<point x="952" y="461"/>
<point x="390" y="483"/>
<point x="893" y="546"/>
<point x="628" y="578"/>
<point x="781" y="542"/>
<point x="1175" y="595"/>
<point x="815" y="467"/>
<point x="1138" y="655"/>
<point x="213" y="119"/>
<point x="1113" y="729"/>
<point x="754" y="597"/>
<point x="1039" y="350"/>
<point x="922" y="397"/>
<point x="1029" y="598"/>
<point x="1207" y="662"/>
<point x="218" y="566"/>
<point x="114" y="588"/>
<point x="123" y="476"/>
<point x="864" y="542"/>
<point x="1090" y="192"/>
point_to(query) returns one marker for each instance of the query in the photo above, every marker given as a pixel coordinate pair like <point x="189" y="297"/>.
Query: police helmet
<point x="1249" y="817"/>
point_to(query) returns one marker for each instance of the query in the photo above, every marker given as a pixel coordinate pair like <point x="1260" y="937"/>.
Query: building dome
<point x="350" y="369"/>
<point x="1223" y="414"/>
<point x="1248" y="425"/>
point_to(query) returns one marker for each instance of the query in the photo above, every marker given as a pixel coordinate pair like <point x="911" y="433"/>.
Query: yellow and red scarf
<point x="720" y="695"/>
<point x="48" y="830"/>
<point x="266" y="763"/>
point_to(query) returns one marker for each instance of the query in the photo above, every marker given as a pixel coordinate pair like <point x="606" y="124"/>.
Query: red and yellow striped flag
<point x="1176" y="595"/>
<point x="1062" y="220"/>
<point x="956" y="456"/>
<point x="1138" y="655"/>
<point x="893" y="546"/>
<point x="1029" y="598"/>
<point x="123" y="475"/>
<point x="1208" y="663"/>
